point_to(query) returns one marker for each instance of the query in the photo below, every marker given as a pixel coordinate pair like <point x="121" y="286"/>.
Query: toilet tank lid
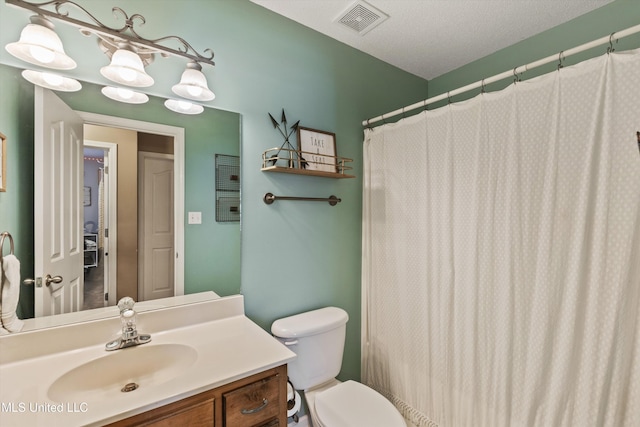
<point x="309" y="323"/>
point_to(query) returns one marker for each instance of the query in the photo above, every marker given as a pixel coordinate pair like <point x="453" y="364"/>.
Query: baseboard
<point x="302" y="422"/>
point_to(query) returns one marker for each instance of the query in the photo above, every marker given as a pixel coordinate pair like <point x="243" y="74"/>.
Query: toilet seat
<point x="351" y="404"/>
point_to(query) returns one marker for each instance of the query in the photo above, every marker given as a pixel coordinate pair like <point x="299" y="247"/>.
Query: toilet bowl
<point x="317" y="337"/>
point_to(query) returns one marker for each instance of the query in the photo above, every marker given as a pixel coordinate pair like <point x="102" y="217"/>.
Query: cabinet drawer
<point x="195" y="411"/>
<point x="252" y="405"/>
<point x="200" y="415"/>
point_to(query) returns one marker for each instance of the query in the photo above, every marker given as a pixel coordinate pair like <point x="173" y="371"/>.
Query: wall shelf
<point x="283" y="160"/>
<point x="296" y="171"/>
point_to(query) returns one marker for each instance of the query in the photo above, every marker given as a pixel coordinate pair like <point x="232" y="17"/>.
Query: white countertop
<point x="229" y="347"/>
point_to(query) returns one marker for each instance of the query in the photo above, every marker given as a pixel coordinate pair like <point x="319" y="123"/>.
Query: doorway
<point x="178" y="142"/>
<point x="120" y="223"/>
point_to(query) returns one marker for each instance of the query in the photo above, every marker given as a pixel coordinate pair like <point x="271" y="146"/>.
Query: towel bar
<point x="2" y="237"/>
<point x="269" y="198"/>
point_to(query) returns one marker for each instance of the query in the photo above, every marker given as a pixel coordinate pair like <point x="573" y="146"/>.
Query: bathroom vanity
<point x="259" y="400"/>
<point x="206" y="364"/>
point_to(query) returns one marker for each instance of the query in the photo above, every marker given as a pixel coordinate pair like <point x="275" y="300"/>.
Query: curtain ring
<point x="560" y="60"/>
<point x="610" y="48"/>
<point x="482" y="89"/>
<point x="403" y="115"/>
<point x="448" y="97"/>
<point x="516" y="79"/>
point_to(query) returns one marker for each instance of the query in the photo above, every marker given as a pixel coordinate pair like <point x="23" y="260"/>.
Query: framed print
<point x="3" y="162"/>
<point x="317" y="150"/>
<point x="87" y="196"/>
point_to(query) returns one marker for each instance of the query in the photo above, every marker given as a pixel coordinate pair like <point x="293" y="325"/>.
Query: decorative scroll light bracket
<point x="110" y="36"/>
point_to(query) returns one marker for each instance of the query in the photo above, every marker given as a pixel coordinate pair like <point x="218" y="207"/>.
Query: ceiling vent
<point x="361" y="17"/>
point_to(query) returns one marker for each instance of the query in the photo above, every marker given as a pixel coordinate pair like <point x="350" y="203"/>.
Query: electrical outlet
<point x="195" y="217"/>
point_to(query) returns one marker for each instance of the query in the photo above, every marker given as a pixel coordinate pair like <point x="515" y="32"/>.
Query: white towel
<point x="10" y="294"/>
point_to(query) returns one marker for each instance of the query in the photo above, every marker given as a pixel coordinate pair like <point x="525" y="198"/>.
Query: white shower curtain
<point x="501" y="254"/>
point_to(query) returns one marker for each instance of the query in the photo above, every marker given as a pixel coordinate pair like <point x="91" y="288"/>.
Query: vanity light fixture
<point x="40" y="45"/>
<point x="124" y="95"/>
<point x="52" y="81"/>
<point x="183" y="107"/>
<point x="129" y="52"/>
<point x="193" y="84"/>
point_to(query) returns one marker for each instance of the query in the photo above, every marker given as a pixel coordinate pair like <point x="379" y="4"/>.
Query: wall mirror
<point x="211" y="249"/>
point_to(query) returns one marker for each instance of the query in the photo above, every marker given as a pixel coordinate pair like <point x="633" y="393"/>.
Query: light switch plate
<point x="195" y="217"/>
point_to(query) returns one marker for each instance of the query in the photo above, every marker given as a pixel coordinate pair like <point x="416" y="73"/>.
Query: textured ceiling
<point x="431" y="37"/>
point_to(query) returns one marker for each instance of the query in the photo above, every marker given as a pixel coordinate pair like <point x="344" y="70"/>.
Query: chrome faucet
<point x="130" y="336"/>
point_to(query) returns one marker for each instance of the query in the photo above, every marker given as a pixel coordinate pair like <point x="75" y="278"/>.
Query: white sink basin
<point x="134" y="368"/>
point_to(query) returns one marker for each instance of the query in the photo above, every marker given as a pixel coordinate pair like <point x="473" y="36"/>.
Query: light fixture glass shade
<point x="126" y="68"/>
<point x="124" y="95"/>
<point x="52" y="81"/>
<point x="40" y="45"/>
<point x="183" y="107"/>
<point x="193" y="84"/>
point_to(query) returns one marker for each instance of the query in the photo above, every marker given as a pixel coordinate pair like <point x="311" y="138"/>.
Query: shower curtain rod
<point x="511" y="73"/>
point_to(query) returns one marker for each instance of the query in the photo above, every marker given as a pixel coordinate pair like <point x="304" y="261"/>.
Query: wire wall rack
<point x="227" y="188"/>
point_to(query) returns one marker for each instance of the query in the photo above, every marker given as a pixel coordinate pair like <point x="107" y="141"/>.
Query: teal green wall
<point x="16" y="204"/>
<point x="295" y="255"/>
<point x="615" y="16"/>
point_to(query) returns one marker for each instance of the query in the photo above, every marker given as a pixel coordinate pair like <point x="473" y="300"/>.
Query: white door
<point x="58" y="213"/>
<point x="156" y="226"/>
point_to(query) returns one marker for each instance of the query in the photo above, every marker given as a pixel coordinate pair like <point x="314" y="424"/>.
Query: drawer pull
<point x="265" y="402"/>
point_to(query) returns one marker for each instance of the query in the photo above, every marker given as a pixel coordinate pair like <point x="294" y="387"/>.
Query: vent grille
<point x="361" y="17"/>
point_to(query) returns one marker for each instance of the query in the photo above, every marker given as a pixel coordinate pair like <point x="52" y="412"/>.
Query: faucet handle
<point x="130" y="336"/>
<point x="126" y="303"/>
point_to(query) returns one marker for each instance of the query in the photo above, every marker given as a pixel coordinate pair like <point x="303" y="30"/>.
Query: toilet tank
<point x="317" y="338"/>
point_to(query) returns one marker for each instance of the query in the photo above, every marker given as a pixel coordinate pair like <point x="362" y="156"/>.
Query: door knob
<point x="48" y="280"/>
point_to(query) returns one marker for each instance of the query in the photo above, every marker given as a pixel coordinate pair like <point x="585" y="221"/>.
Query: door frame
<point x="177" y="133"/>
<point x="110" y="263"/>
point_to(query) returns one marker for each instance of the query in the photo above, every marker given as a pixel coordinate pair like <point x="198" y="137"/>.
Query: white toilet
<point x="317" y="338"/>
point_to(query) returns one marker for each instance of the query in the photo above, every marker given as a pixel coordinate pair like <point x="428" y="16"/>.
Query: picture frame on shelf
<point x="3" y="162"/>
<point x="317" y="150"/>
